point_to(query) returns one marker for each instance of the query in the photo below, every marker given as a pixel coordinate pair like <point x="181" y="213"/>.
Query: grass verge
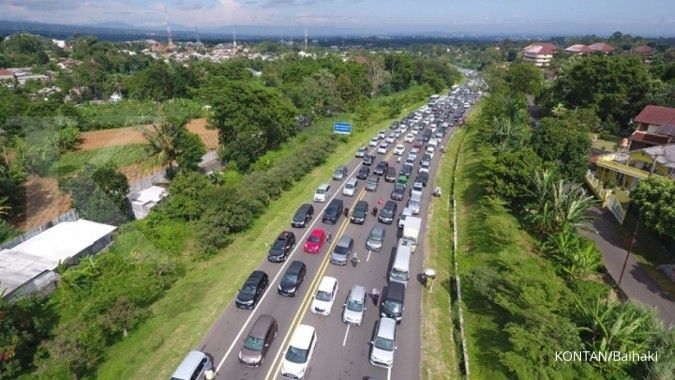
<point x="183" y="316"/>
<point x="119" y="156"/>
<point x="439" y="352"/>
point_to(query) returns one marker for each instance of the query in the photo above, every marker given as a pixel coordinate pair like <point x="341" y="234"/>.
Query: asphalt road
<point x="342" y="351"/>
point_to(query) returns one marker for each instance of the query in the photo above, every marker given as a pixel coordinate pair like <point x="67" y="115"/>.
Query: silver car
<point x="350" y="187"/>
<point x="355" y="306"/>
<point x="375" y="238"/>
<point x="342" y="250"/>
<point x="384" y="344"/>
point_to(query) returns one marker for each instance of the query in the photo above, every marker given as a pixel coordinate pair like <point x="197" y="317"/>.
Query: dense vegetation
<point x="532" y="282"/>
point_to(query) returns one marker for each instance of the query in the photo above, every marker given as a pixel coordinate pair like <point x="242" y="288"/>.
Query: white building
<point x="30" y="267"/>
<point x="143" y="201"/>
<point x="540" y="54"/>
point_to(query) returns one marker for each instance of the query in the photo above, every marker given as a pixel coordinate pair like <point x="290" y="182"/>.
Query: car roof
<point x="304" y="207"/>
<point x="378" y="228"/>
<point x="188" y="365"/>
<point x="326" y="283"/>
<point x="387" y="328"/>
<point x="389" y="204"/>
<point x="302" y="336"/>
<point x="285" y="235"/>
<point x="361" y="203"/>
<point x="324" y="186"/>
<point x="345" y="240"/>
<point x="358" y="292"/>
<point x="352" y="180"/>
<point x="295" y="266"/>
<point x="335" y="202"/>
<point x="395" y="290"/>
<point x="318" y="231"/>
<point x="257" y="274"/>
<point x="261" y="326"/>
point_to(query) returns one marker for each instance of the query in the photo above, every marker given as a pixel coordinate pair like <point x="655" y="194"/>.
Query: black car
<point x="359" y="212"/>
<point x="426" y="157"/>
<point x="363" y="172"/>
<point x="368" y="159"/>
<point x="333" y="211"/>
<point x="390" y="174"/>
<point x="381" y="167"/>
<point x="292" y="279"/>
<point x="423" y="178"/>
<point x="253" y="289"/>
<point x="399" y="192"/>
<point x="303" y="215"/>
<point x="386" y="216"/>
<point x="281" y="247"/>
<point x="372" y="183"/>
<point x="407" y="169"/>
<point x="392" y="304"/>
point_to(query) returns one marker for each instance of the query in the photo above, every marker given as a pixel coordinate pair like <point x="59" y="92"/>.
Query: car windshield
<point x="323" y="296"/>
<point x="375" y="237"/>
<point x="279" y="244"/>
<point x="248" y="289"/>
<point x="296" y="355"/>
<point x="321" y="191"/>
<point x="387" y="212"/>
<point x="355" y="305"/>
<point x="340" y="250"/>
<point x="254" y="344"/>
<point x="313" y="239"/>
<point x="384" y="344"/>
<point x="392" y="307"/>
<point x="399" y="275"/>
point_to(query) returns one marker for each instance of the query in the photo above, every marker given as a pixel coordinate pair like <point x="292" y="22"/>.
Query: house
<point x="540" y="54"/>
<point x="6" y="74"/>
<point x="30" y="267"/>
<point x="643" y="50"/>
<point x="578" y="49"/>
<point x="655" y="126"/>
<point x="616" y="174"/>
<point x="601" y="47"/>
<point x="143" y="201"/>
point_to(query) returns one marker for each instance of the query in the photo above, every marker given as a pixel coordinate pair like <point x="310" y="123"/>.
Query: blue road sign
<point x="342" y="128"/>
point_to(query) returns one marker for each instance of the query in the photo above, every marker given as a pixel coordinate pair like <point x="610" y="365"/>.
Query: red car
<point x="315" y="241"/>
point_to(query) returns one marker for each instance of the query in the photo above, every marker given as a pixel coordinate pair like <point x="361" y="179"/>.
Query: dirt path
<point x="132" y="135"/>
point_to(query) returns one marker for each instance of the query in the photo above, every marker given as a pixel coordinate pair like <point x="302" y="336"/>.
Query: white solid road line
<point x="368" y="258"/>
<point x="344" y="341"/>
<point x="389" y="373"/>
<point x="308" y="229"/>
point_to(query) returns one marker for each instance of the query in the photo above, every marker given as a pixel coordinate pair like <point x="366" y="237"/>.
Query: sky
<point x="645" y="17"/>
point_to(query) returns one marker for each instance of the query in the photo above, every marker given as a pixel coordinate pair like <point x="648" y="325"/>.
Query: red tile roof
<point x="644" y="49"/>
<point x="540" y="48"/>
<point x="4" y="72"/>
<point x="601" y="47"/>
<point x="578" y="48"/>
<point x="656" y="115"/>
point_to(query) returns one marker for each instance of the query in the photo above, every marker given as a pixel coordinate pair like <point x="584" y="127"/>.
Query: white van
<point x="193" y="367"/>
<point x="400" y="270"/>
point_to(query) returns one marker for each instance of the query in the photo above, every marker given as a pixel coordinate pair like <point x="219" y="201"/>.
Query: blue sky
<point x="648" y="17"/>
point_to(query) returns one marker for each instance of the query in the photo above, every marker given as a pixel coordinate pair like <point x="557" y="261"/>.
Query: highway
<point x="342" y="351"/>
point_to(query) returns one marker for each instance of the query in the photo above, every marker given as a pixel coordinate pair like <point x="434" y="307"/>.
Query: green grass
<point x="128" y="113"/>
<point x="119" y="156"/>
<point x="183" y="316"/>
<point x="602" y="145"/>
<point x="439" y="352"/>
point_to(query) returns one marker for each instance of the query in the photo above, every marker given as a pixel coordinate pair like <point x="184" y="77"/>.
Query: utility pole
<point x="234" y="37"/>
<point x="305" y="39"/>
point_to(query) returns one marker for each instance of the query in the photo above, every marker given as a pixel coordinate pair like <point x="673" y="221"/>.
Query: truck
<point x="411" y="231"/>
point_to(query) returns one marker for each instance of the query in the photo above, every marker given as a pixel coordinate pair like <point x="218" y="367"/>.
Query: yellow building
<point x="616" y="174"/>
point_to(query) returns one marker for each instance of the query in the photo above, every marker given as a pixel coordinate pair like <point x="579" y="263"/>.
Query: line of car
<point x="302" y="342"/>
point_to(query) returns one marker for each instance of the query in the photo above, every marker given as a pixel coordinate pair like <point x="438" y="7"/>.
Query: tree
<point x="524" y="78"/>
<point x="654" y="198"/>
<point x="251" y="119"/>
<point x="100" y="194"/>
<point x="191" y="149"/>
<point x="564" y="206"/>
<point x="23" y="49"/>
<point x="170" y="141"/>
<point x="377" y="75"/>
<point x="508" y="174"/>
<point x="563" y="142"/>
<point x="615" y="86"/>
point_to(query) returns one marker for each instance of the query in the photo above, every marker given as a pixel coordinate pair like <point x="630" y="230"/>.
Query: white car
<point x="400" y="148"/>
<point x="382" y="149"/>
<point x="373" y="142"/>
<point x="410" y="137"/>
<point x="424" y="167"/>
<point x="350" y="187"/>
<point x="322" y="193"/>
<point x="381" y="135"/>
<point x="325" y="296"/>
<point x="430" y="151"/>
<point x="390" y="139"/>
<point x="299" y="352"/>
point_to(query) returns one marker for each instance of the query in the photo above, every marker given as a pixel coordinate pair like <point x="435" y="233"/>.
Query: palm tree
<point x="163" y="138"/>
<point x="4" y="206"/>
<point x="571" y="205"/>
